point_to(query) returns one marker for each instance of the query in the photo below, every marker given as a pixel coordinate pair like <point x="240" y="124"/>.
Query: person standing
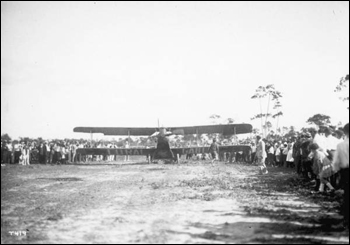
<point x="48" y="150"/>
<point x="284" y="154"/>
<point x="12" y="149"/>
<point x="253" y="147"/>
<point x="214" y="150"/>
<point x="261" y="155"/>
<point x="290" y="159"/>
<point x="320" y="163"/>
<point x="7" y="152"/>
<point x="68" y="151"/>
<point x="74" y="151"/>
<point x="2" y="151"/>
<point x="341" y="163"/>
<point x="127" y="146"/>
<point x="271" y="154"/>
<point x="63" y="154"/>
<point x="297" y="155"/>
<point x="52" y="152"/>
<point x="25" y="154"/>
<point x="318" y="139"/>
<point x="17" y="151"/>
<point x="57" y="154"/>
<point x="42" y="153"/>
<point x="278" y="154"/>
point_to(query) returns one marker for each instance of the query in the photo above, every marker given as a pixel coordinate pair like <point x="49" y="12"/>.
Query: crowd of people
<point x="47" y="152"/>
<point x="301" y="151"/>
<point x="320" y="156"/>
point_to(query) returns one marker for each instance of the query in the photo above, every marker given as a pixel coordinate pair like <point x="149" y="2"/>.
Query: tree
<point x="268" y="126"/>
<point x="25" y="139"/>
<point x="291" y="133"/>
<point x="320" y="120"/>
<point x="260" y="93"/>
<point x="272" y="94"/>
<point x="5" y="137"/>
<point x="255" y="131"/>
<point x="343" y="87"/>
<point x="230" y="120"/>
<point x="214" y="118"/>
<point x="285" y="130"/>
<point x="277" y="106"/>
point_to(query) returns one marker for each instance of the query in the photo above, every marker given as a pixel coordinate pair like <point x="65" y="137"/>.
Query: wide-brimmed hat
<point x="314" y="146"/>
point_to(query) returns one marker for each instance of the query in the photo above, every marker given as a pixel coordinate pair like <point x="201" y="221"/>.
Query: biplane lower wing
<point x="150" y="151"/>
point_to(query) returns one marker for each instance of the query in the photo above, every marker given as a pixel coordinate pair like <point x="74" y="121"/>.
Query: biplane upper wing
<point x="225" y="129"/>
<point x="116" y="130"/>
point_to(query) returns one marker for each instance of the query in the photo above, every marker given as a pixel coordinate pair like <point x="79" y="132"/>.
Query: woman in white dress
<point x="25" y="155"/>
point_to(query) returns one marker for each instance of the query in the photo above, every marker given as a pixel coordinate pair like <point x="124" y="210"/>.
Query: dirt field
<point x="193" y="202"/>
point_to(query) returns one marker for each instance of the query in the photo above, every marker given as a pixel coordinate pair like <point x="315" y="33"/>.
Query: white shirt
<point x="278" y="151"/>
<point x="25" y="152"/>
<point x="332" y="142"/>
<point x="253" y="148"/>
<point x="290" y="155"/>
<point x="321" y="141"/>
<point x="341" y="156"/>
<point x="260" y="149"/>
<point x="17" y="147"/>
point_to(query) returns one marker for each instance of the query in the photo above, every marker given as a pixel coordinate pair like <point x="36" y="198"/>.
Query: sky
<point x="128" y="64"/>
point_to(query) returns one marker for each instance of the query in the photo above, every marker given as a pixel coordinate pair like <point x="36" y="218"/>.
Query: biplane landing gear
<point x="165" y="161"/>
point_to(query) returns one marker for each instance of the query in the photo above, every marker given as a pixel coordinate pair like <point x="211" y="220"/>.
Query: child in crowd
<point x="320" y="165"/>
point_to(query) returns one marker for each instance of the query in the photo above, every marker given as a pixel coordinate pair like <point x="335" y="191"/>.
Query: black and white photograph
<point x="174" y="122"/>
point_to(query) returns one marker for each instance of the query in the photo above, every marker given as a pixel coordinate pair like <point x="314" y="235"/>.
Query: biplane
<point x="163" y="151"/>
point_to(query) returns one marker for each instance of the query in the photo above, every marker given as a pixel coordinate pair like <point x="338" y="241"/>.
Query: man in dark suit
<point x="42" y="153"/>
